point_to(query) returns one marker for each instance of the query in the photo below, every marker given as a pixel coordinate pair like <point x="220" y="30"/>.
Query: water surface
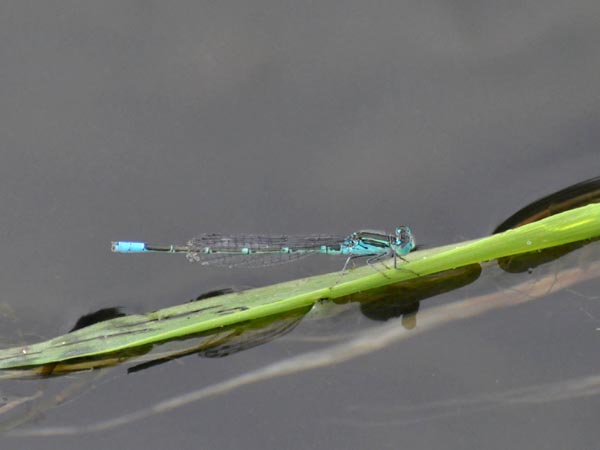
<point x="128" y="120"/>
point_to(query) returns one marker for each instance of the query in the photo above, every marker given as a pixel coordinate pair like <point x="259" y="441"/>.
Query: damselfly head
<point x="404" y="239"/>
<point x="350" y="241"/>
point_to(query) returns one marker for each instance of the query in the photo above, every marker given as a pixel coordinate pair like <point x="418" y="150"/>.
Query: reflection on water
<point x="381" y="304"/>
<point x="531" y="395"/>
<point x="101" y="315"/>
<point x="580" y="194"/>
<point x="403" y="299"/>
<point x="233" y="339"/>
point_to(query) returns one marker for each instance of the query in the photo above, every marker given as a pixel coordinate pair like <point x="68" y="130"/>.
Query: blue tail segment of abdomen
<point x="128" y="247"/>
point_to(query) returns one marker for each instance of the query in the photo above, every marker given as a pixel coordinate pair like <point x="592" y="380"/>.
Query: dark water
<point x="156" y="121"/>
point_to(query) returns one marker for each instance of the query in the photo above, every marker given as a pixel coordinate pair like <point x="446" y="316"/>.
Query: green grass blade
<point x="214" y="313"/>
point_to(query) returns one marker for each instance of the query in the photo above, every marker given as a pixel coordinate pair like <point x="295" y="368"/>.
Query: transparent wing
<point x="249" y="261"/>
<point x="251" y="250"/>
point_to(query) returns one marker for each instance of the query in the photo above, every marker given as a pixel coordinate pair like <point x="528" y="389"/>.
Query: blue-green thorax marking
<point x="365" y="243"/>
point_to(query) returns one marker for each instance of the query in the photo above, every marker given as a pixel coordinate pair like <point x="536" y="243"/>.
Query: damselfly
<point x="252" y="250"/>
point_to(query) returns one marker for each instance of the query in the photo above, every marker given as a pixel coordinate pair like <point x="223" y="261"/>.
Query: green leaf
<point x="134" y="331"/>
